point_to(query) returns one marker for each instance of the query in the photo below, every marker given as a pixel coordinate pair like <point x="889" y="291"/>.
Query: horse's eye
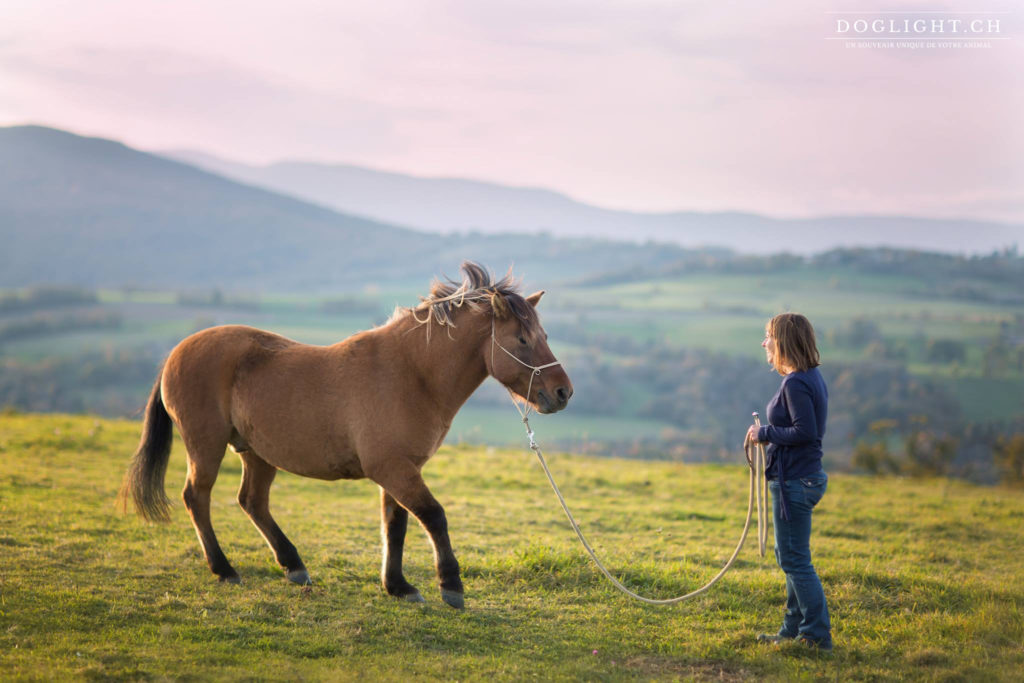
<point x="522" y="340"/>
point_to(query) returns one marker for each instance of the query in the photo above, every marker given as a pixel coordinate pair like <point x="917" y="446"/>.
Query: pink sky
<point x="627" y="104"/>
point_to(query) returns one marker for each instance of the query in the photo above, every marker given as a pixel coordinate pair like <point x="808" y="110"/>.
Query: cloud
<point x="628" y="103"/>
<point x="185" y="97"/>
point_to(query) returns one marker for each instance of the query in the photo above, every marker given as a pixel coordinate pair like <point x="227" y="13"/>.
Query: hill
<point x="923" y="576"/>
<point x="93" y="211"/>
<point x="456" y="204"/>
<point x="89" y="211"/>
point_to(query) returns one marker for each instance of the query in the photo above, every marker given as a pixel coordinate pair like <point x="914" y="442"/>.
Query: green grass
<point x="924" y="577"/>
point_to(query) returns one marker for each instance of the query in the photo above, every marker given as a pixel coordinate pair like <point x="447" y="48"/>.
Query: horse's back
<point x="200" y="371"/>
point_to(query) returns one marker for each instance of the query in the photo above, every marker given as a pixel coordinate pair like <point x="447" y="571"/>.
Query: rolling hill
<point x="94" y="212"/>
<point x="453" y="204"/>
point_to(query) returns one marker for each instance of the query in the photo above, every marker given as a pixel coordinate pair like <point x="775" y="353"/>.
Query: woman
<point x="796" y="424"/>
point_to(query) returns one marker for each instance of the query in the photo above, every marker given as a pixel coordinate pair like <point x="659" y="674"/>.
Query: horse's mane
<point x="477" y="290"/>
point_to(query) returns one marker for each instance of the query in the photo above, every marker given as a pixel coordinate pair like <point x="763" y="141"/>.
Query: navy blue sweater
<point x="796" y="425"/>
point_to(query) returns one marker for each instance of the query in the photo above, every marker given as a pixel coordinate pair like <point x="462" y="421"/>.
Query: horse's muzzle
<point x="554" y="401"/>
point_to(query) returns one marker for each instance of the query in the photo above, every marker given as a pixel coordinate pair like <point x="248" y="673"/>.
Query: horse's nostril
<point x="563" y="394"/>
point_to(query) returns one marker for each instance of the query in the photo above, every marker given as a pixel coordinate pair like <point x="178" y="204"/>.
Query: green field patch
<point x="988" y="397"/>
<point x="502" y="426"/>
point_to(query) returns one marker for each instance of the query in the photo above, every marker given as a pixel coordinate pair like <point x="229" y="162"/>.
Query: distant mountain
<point x="449" y="204"/>
<point x="94" y="212"/>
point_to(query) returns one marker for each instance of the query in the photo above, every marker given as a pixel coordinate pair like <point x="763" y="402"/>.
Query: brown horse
<point x="376" y="405"/>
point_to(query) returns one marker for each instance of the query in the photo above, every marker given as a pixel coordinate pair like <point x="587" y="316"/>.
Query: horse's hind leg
<point x="254" y="497"/>
<point x="203" y="464"/>
<point x="394" y="520"/>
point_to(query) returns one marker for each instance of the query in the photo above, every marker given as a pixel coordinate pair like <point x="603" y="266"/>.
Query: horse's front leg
<point x="405" y="484"/>
<point x="394" y="520"/>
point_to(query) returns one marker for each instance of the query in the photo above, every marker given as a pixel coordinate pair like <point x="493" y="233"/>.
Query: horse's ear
<point x="534" y="298"/>
<point x="499" y="306"/>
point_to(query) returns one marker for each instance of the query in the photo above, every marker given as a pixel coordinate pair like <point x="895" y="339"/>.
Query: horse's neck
<point x="449" y="363"/>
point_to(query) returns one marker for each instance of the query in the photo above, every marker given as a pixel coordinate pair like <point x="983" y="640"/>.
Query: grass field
<point x="924" y="577"/>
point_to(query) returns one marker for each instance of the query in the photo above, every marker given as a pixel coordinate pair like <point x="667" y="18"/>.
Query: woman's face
<point x="769" y="347"/>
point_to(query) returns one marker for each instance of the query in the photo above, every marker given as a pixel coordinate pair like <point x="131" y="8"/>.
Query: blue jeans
<point x="806" y="609"/>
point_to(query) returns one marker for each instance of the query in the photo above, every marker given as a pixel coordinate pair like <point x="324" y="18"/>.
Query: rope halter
<point x="535" y="372"/>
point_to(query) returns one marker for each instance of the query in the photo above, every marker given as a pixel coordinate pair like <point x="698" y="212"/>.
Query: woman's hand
<point x="748" y="440"/>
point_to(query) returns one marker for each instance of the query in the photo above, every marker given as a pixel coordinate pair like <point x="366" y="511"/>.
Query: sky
<point x="628" y="104"/>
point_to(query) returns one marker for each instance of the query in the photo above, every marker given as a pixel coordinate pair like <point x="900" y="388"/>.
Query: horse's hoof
<point x="300" y="576"/>
<point x="406" y="592"/>
<point x="452" y="598"/>
<point x="234" y="578"/>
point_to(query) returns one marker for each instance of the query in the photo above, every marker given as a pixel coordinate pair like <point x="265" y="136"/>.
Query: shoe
<point x="776" y="639"/>
<point x="818" y="645"/>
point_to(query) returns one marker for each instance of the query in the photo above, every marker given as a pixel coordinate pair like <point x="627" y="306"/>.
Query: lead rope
<point x="757" y="484"/>
<point x="759" y="469"/>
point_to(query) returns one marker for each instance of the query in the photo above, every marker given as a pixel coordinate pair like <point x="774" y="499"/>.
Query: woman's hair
<point x="794" y="342"/>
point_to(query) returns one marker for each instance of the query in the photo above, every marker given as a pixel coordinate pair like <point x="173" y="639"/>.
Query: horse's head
<point x="518" y="354"/>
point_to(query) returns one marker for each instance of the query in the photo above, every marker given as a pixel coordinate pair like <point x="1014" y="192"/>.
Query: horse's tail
<point x="144" y="480"/>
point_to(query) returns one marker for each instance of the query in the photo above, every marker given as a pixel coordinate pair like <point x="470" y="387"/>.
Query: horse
<point x="376" y="405"/>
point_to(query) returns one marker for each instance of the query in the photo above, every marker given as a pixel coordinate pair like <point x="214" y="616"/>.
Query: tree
<point x="1008" y="455"/>
<point x="872" y="455"/>
<point x="929" y="455"/>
